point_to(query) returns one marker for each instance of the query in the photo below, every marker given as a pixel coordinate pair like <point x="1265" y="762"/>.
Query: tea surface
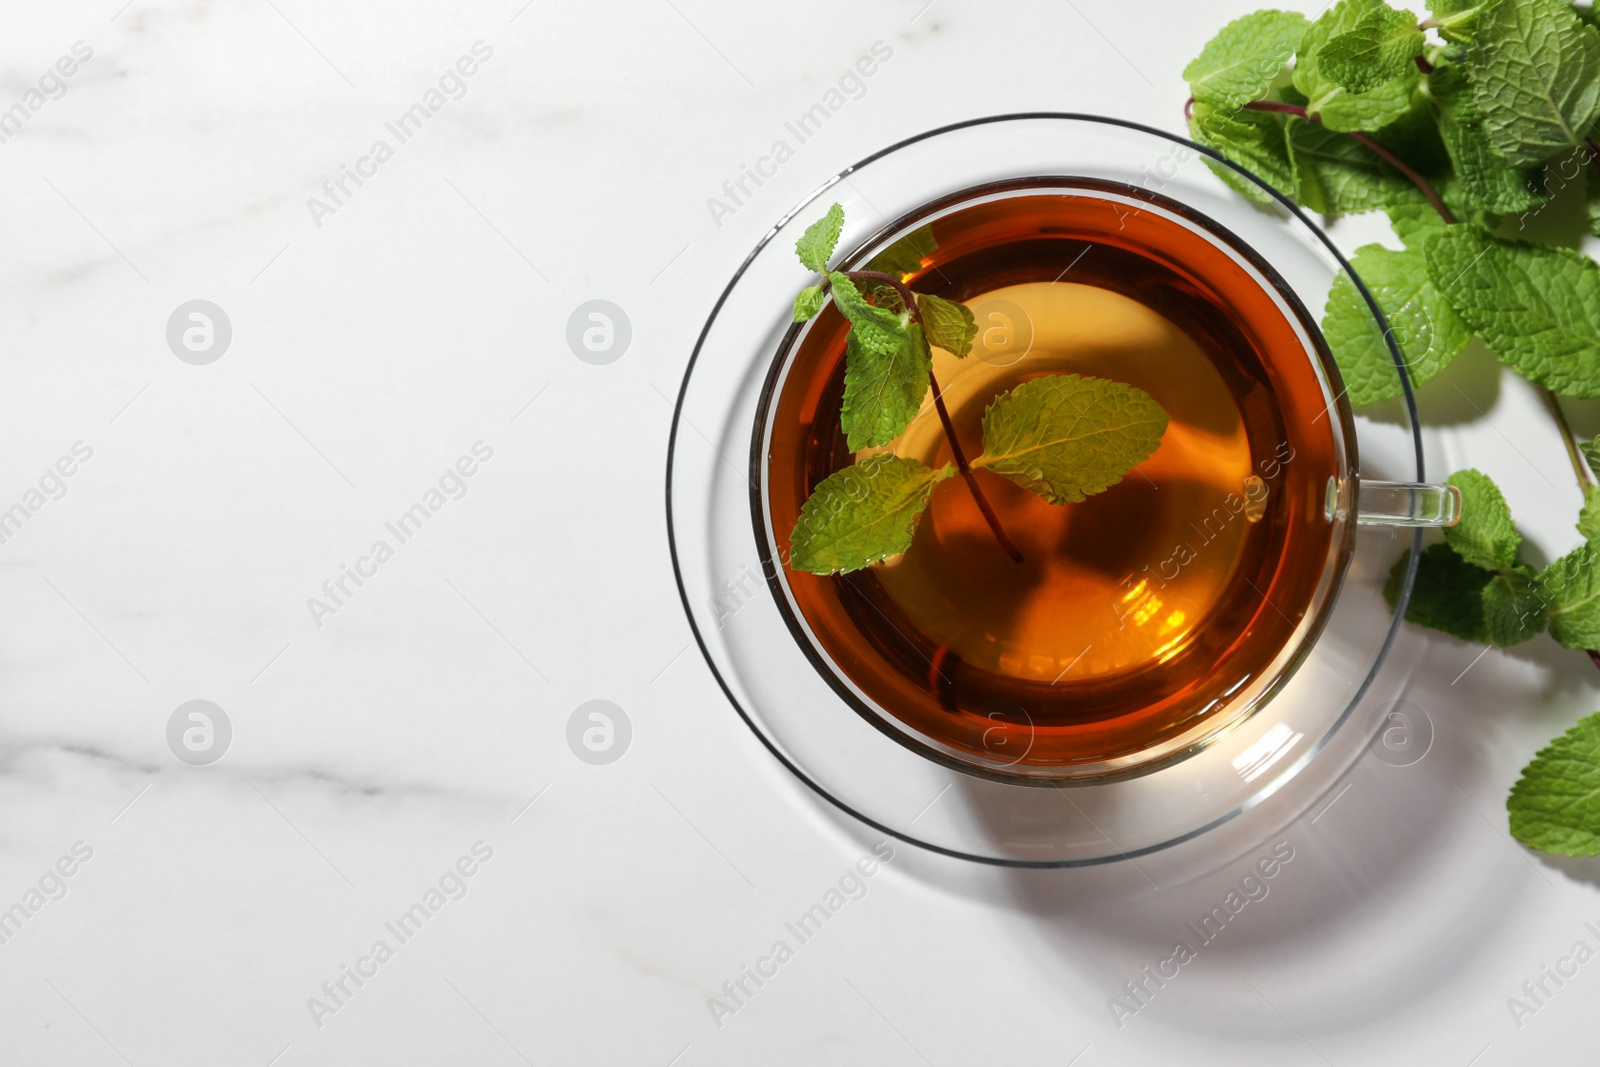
<point x="1139" y="615"/>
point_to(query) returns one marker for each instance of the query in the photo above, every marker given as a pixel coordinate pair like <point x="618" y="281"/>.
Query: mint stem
<point x="909" y="298"/>
<point x="966" y="473"/>
<point x="1579" y="467"/>
<point x="1373" y="145"/>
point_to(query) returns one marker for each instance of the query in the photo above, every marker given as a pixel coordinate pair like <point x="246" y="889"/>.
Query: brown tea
<point x="1142" y="618"/>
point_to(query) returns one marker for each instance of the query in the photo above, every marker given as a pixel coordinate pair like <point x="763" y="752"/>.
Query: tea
<point x="1144" y="619"/>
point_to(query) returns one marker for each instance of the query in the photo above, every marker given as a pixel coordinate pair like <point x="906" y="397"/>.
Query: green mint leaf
<point x="862" y="514"/>
<point x="1336" y="176"/>
<point x="905" y="255"/>
<point x="1458" y="19"/>
<point x="1537" y="307"/>
<point x="1535" y="78"/>
<point x="1425" y="327"/>
<point x="1485" y="536"/>
<point x="948" y="325"/>
<point x="1488" y="184"/>
<point x="1413" y="219"/>
<point x="1448" y="594"/>
<point x="1555" y="805"/>
<point x="1589" y="517"/>
<point x="1240" y="63"/>
<point x="809" y="302"/>
<point x="1514" y="609"/>
<point x="1339" y="107"/>
<point x="887" y="363"/>
<point x="816" y="245"/>
<point x="1571" y="588"/>
<point x="1066" y="437"/>
<point x="883" y="389"/>
<point x="1380" y="49"/>
<point x="1255" y="140"/>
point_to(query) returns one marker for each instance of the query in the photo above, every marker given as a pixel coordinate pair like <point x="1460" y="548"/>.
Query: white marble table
<point x="383" y="334"/>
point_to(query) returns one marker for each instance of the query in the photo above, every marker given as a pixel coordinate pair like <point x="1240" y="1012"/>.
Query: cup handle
<point x="1408" y="504"/>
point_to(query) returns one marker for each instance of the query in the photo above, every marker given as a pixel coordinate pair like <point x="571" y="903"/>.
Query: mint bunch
<point x="1462" y="128"/>
<point x="1478" y="113"/>
<point x="1064" y="437"/>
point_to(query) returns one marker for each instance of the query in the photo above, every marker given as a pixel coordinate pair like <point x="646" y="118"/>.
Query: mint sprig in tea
<point x="1048" y="473"/>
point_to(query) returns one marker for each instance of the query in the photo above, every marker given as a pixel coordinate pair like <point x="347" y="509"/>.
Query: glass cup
<point x="848" y="731"/>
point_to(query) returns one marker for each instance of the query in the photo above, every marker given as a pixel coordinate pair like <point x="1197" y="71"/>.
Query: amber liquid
<point x="1144" y="619"/>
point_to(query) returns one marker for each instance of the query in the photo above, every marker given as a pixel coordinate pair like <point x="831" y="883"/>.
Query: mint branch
<point x="909" y="299"/>
<point x="1063" y="437"/>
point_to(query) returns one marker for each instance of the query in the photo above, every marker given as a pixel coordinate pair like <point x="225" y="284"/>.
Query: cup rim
<point x="1287" y="772"/>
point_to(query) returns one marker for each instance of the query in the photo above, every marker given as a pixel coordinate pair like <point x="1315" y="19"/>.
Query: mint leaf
<point x="1447" y="596"/>
<point x="905" y="255"/>
<point x="1425" y="327"/>
<point x="1334" y="175"/>
<point x="809" y="302"/>
<point x="1487" y="182"/>
<point x="1571" y="588"/>
<point x="1240" y="63"/>
<point x="883" y="391"/>
<point x="816" y="245"/>
<point x="1380" y="49"/>
<point x="1473" y="586"/>
<point x="1256" y="140"/>
<point x="862" y="514"/>
<point x="1535" y="78"/>
<point x="1485" y="536"/>
<point x="1513" y="608"/>
<point x="1341" y="109"/>
<point x="1555" y="805"/>
<point x="948" y="325"/>
<point x="1066" y="437"/>
<point x="1413" y="219"/>
<point x="887" y="364"/>
<point x="1589" y="517"/>
<point x="1537" y="307"/>
<point x="1458" y="19"/>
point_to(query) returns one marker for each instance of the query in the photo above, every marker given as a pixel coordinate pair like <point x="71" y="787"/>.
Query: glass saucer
<point x="889" y="782"/>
